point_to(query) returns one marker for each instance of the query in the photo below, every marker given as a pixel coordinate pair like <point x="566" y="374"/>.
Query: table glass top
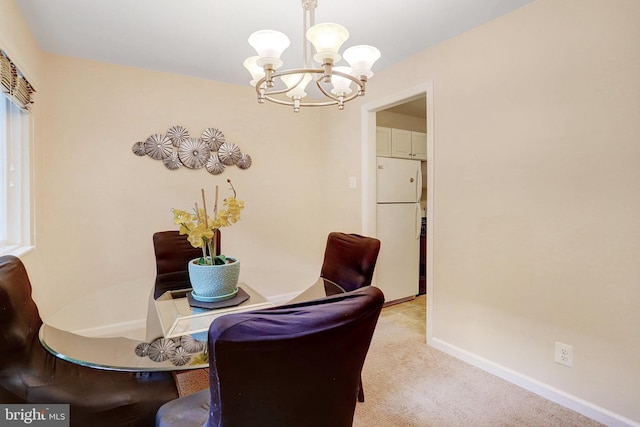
<point x="176" y="334"/>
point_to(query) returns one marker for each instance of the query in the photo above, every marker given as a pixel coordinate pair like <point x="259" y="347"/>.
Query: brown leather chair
<point x="29" y="374"/>
<point x="349" y="260"/>
<point x="290" y="366"/>
<point x="173" y="252"/>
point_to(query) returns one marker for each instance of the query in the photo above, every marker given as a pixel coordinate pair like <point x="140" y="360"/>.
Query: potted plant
<point x="213" y="277"/>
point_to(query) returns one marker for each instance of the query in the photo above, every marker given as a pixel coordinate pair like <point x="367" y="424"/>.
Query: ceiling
<point x="208" y="38"/>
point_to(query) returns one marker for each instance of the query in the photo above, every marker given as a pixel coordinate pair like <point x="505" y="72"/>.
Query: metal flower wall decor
<point x="177" y="148"/>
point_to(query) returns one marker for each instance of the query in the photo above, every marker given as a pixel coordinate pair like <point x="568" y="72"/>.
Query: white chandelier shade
<point x="296" y="85"/>
<point x="269" y="44"/>
<point x="256" y="71"/>
<point x="288" y="87"/>
<point x="361" y="59"/>
<point x="341" y="85"/>
<point x="327" y="40"/>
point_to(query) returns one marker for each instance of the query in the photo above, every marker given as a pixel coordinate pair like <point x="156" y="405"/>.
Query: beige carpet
<point x="407" y="383"/>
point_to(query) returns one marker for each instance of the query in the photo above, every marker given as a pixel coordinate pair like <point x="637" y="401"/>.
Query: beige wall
<point x="18" y="42"/>
<point x="536" y="238"/>
<point x="99" y="204"/>
<point x="536" y="188"/>
<point x="536" y="193"/>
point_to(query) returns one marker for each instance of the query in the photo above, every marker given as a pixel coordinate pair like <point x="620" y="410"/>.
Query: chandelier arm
<point x="259" y="85"/>
<point x="346" y="76"/>
<point x="302" y="104"/>
<point x="275" y="92"/>
<point x="298" y="71"/>
<point x="269" y="95"/>
<point x="323" y="90"/>
<point x="352" y="96"/>
<point x="279" y="101"/>
<point x="318" y="104"/>
<point x="334" y="101"/>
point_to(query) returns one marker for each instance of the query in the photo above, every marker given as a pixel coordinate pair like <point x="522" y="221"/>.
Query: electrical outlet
<point x="564" y="354"/>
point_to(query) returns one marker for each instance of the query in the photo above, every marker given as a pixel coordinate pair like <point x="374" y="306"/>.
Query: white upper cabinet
<point x="419" y="145"/>
<point x="383" y="142"/>
<point x="401" y="143"/>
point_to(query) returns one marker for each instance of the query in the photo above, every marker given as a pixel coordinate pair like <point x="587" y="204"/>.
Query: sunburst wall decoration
<point x="177" y="148"/>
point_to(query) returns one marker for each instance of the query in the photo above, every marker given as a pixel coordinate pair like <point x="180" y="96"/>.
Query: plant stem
<point x="214" y="249"/>
<point x="232" y="188"/>
<point x="204" y="206"/>
<point x="206" y="225"/>
<point x="215" y="204"/>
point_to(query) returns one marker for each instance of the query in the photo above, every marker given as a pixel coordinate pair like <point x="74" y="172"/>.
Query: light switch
<point x="352" y="182"/>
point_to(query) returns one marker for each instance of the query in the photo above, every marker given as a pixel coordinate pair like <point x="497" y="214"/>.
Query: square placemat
<point x="237" y="299"/>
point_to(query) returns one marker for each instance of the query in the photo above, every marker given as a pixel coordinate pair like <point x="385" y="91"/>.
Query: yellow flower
<point x="196" y="241"/>
<point x="235" y="206"/>
<point x="180" y="217"/>
<point x="184" y="229"/>
<point x="200" y="228"/>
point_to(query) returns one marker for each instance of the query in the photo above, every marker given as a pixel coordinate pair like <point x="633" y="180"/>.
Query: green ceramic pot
<point x="214" y="282"/>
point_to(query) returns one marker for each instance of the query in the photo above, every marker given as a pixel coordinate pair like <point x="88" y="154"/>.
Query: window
<point x="16" y="213"/>
<point x="15" y="209"/>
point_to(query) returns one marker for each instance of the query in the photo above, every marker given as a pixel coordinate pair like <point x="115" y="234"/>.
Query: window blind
<point x="13" y="83"/>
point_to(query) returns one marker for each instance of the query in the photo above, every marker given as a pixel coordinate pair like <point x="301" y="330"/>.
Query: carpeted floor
<point x="407" y="383"/>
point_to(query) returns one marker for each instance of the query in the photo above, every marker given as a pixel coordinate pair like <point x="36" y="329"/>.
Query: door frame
<point x="368" y="175"/>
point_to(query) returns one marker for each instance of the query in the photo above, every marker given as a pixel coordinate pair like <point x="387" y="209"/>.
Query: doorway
<point x="402" y="131"/>
<point x="368" y="166"/>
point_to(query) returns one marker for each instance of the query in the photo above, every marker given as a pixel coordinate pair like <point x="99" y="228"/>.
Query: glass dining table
<point x="174" y="337"/>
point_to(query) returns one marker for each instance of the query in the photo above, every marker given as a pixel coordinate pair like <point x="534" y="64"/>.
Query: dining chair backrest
<point x="173" y="252"/>
<point x="295" y="365"/>
<point x="350" y="260"/>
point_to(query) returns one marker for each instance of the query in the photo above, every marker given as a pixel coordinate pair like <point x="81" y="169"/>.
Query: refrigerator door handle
<point x="418" y="221"/>
<point x="419" y="182"/>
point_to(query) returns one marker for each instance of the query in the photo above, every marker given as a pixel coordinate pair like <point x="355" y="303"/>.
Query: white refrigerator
<point x="399" y="218"/>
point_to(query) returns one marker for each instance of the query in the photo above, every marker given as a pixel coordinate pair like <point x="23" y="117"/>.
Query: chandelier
<point x="287" y="87"/>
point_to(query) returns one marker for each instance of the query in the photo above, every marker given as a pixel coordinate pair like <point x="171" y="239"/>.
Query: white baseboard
<point x="130" y="329"/>
<point x="553" y="394"/>
<point x="283" y="298"/>
<point x="133" y="327"/>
